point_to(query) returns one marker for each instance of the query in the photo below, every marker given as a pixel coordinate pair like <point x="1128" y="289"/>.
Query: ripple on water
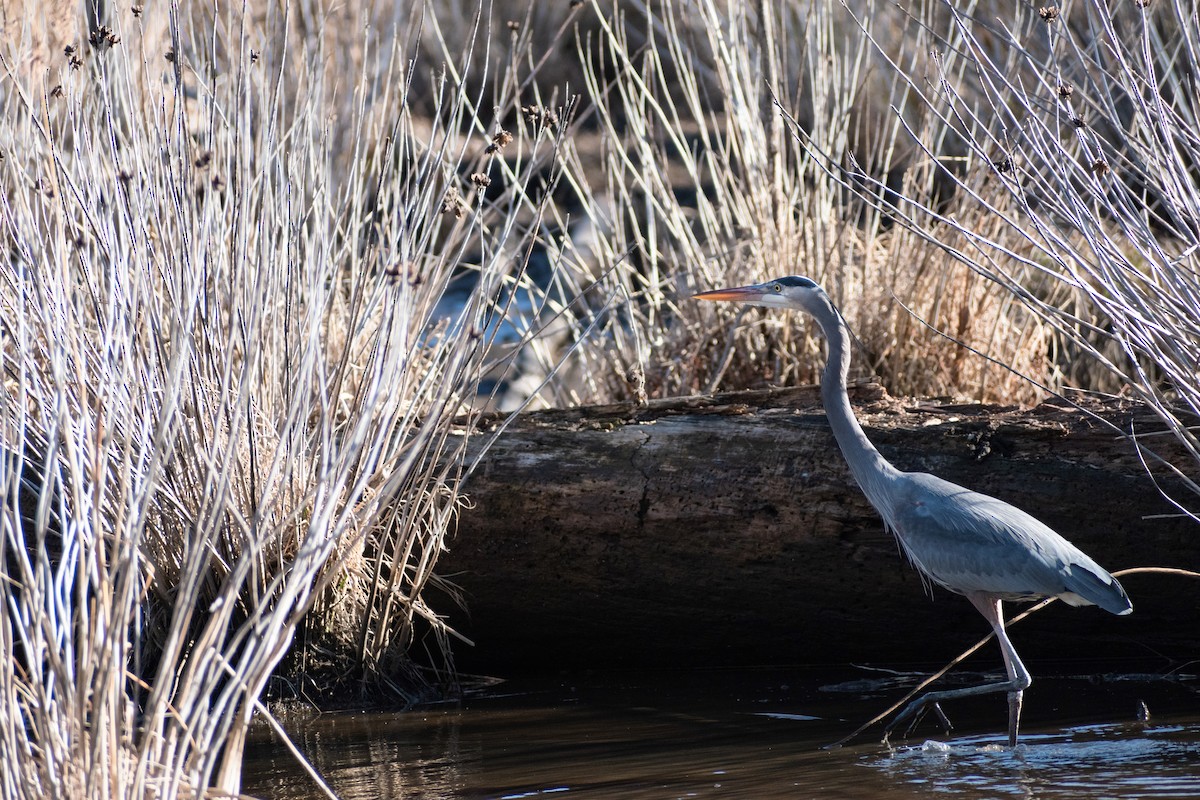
<point x="1093" y="761"/>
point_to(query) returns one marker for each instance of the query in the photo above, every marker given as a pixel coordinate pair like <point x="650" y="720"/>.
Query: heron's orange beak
<point x="741" y="294"/>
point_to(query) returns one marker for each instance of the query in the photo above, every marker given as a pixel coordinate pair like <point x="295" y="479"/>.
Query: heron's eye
<point x="777" y="288"/>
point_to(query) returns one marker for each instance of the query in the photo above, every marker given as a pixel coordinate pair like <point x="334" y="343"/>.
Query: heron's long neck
<point x="871" y="470"/>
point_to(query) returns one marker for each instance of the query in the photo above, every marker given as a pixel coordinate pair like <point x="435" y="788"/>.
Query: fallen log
<point x="727" y="530"/>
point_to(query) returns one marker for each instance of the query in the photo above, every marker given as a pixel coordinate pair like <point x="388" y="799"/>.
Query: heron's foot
<point x="1014" y="688"/>
<point x="915" y="712"/>
<point x="946" y="726"/>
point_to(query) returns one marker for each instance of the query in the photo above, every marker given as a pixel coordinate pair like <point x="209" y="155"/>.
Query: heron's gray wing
<point x="971" y="542"/>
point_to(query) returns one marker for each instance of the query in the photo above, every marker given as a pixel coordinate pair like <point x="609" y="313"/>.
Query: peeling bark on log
<point x="728" y="531"/>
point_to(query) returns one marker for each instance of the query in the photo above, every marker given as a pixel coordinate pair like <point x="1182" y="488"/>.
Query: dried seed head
<point x="170" y="55"/>
<point x="57" y="91"/>
<point x="1048" y="13"/>
<point x="480" y="180"/>
<point x="103" y="38"/>
<point x="203" y="160"/>
<point x="1142" y="3"/>
<point x="1099" y="167"/>
<point x="137" y="10"/>
<point x="513" y="25"/>
<point x="540" y="116"/>
<point x="69" y="50"/>
<point x="499" y="141"/>
<point x="1065" y="90"/>
<point x="453" y="203"/>
<point x="1078" y="122"/>
<point x="253" y="56"/>
<point x="1003" y="165"/>
<point x="576" y="3"/>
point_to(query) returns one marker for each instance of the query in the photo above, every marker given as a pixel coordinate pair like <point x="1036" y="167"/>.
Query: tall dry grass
<point x="247" y="297"/>
<point x="1083" y="131"/>
<point x="691" y="174"/>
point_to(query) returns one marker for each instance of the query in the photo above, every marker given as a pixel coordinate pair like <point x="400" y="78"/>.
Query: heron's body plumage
<point x="971" y="542"/>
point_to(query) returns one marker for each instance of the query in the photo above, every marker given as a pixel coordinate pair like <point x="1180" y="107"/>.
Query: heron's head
<point x="790" y="292"/>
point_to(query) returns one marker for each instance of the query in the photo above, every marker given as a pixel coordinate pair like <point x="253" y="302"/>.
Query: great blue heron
<point x="968" y="542"/>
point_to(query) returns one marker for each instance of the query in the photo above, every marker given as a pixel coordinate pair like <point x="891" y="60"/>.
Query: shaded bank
<point x="727" y="531"/>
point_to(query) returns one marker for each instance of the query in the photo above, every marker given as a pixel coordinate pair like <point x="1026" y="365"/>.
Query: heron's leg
<point x="1018" y="677"/>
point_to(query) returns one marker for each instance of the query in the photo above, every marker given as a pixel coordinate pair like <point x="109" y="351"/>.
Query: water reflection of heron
<point x="968" y="542"/>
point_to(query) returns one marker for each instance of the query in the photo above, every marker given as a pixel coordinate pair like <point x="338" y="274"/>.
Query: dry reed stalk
<point x="228" y="329"/>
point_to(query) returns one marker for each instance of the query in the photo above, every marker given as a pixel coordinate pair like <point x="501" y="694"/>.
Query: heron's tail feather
<point x="1096" y="587"/>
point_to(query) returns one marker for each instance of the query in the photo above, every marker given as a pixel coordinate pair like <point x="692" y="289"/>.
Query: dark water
<point x="751" y="734"/>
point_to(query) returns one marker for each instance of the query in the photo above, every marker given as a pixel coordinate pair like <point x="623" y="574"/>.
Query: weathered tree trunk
<point x="727" y="530"/>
